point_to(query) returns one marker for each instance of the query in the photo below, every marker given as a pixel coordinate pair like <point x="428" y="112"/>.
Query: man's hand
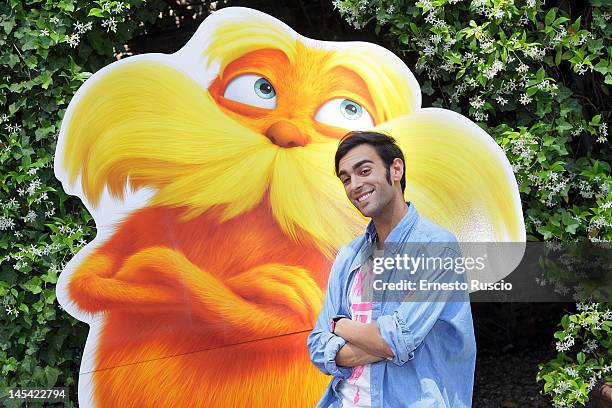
<point x="365" y="336"/>
<point x="350" y="356"/>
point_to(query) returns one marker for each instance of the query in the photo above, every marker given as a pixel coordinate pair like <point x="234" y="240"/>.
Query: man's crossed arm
<point x="365" y="345"/>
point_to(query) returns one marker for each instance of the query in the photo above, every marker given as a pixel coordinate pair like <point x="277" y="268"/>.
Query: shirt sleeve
<point x="406" y="328"/>
<point x="323" y="345"/>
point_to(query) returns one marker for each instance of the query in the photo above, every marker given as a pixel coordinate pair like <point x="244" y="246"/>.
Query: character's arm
<point x="265" y="301"/>
<point x="324" y="345"/>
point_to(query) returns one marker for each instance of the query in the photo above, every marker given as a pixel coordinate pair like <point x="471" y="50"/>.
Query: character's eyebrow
<point x="355" y="166"/>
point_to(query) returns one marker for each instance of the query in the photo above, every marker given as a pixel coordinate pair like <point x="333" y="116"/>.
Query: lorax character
<point x="209" y="173"/>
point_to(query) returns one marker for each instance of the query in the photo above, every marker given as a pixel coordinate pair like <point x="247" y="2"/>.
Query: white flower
<point x="119" y="7"/>
<point x="34" y="185"/>
<point x="525" y="99"/>
<point x="544" y="84"/>
<point x="429" y="50"/>
<point x="6" y="223"/>
<point x="570" y="371"/>
<point x="471" y="82"/>
<point x="501" y="100"/>
<point x="589" y="346"/>
<point x="536" y="53"/>
<point x="493" y="69"/>
<point x="581" y="68"/>
<point x="12" y="204"/>
<point x="31" y="216"/>
<point x="73" y="40"/>
<point x="476" y="102"/>
<point x="480" y="116"/>
<point x="431" y="18"/>
<point x="424" y="4"/>
<point x="592" y="382"/>
<point x="54" y="20"/>
<point x="435" y="39"/>
<point x="510" y="86"/>
<point x="497" y="13"/>
<point x="111" y="24"/>
<point x="44" y="32"/>
<point x="11" y="311"/>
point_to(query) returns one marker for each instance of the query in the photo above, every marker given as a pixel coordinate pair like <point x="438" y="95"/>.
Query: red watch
<point x="333" y="321"/>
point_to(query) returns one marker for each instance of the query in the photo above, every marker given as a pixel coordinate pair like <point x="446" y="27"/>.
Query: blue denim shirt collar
<point x="401" y="230"/>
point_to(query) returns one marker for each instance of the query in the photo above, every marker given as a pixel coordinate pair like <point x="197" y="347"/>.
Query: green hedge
<point x="47" y="50"/>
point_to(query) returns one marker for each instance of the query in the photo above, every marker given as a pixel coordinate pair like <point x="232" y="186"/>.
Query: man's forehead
<point x="358" y="154"/>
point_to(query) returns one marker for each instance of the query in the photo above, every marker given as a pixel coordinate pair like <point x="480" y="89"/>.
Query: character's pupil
<point x="265" y="88"/>
<point x="350" y="109"/>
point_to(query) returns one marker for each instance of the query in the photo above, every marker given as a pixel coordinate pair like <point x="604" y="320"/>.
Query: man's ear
<point x="397" y="169"/>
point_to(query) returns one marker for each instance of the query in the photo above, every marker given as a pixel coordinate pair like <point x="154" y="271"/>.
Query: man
<point x="393" y="353"/>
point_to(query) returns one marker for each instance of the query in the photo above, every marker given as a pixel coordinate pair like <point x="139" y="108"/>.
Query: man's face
<point x="366" y="181"/>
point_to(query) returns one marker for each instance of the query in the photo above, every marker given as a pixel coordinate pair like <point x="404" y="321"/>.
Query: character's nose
<point x="285" y="134"/>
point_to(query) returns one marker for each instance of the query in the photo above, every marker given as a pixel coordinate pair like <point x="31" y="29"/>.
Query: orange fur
<point x="178" y="297"/>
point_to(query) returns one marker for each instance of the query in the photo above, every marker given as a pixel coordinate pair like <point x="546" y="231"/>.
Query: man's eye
<point x="345" y="181"/>
<point x="365" y="171"/>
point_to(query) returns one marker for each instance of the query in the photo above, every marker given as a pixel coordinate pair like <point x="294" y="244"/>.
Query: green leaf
<point x="8" y="24"/>
<point x="576" y="25"/>
<point x="580" y="357"/>
<point x="96" y="12"/>
<point x="51" y="376"/>
<point x="66" y="5"/>
<point x="550" y="16"/>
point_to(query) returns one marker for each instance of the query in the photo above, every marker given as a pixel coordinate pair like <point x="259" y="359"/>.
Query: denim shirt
<point x="432" y="342"/>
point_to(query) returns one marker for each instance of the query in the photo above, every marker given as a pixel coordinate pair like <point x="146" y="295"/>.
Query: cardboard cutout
<point x="209" y="174"/>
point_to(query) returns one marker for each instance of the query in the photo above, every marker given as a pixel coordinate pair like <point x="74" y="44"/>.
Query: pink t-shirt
<point x="355" y="391"/>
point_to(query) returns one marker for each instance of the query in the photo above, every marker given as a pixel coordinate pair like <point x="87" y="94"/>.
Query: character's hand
<point x="286" y="290"/>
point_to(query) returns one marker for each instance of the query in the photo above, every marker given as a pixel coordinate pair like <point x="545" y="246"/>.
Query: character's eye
<point x="252" y="90"/>
<point x="344" y="113"/>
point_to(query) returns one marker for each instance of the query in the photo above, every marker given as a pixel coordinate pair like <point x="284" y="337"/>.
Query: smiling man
<point x="392" y="353"/>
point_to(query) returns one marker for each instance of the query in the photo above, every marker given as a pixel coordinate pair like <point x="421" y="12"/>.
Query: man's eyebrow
<point x="356" y="165"/>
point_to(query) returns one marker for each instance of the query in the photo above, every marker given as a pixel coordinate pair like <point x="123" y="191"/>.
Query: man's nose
<point x="355" y="184"/>
<point x="285" y="134"/>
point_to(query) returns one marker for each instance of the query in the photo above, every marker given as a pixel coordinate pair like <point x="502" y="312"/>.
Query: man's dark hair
<point x="385" y="146"/>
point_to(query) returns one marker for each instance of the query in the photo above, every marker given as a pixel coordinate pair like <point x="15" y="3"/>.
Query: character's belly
<point x="273" y="372"/>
